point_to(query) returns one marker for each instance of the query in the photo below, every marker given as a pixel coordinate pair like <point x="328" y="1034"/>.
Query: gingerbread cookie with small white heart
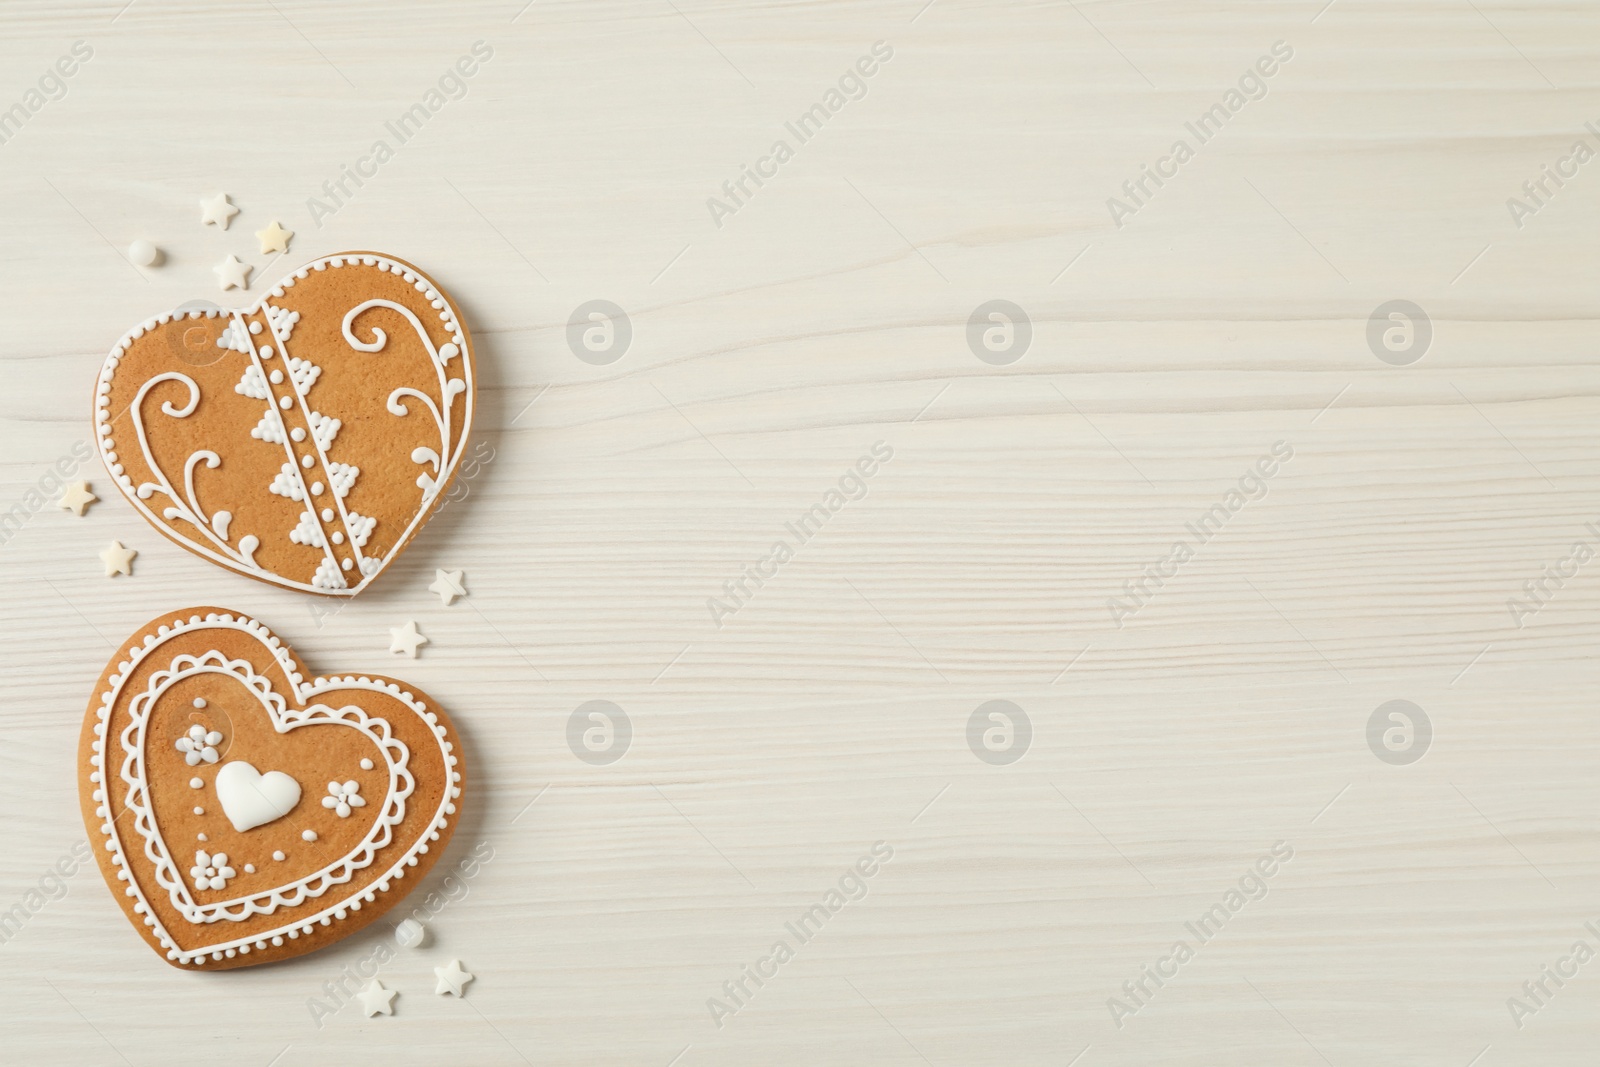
<point x="243" y="811"/>
<point x="304" y="440"/>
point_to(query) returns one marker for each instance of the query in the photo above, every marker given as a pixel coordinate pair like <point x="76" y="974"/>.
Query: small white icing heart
<point x="250" y="798"/>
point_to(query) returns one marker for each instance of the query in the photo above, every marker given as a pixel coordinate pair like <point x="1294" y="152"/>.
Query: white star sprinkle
<point x="77" y="497"/>
<point x="448" y="585"/>
<point x="376" y="1000"/>
<point x="118" y="560"/>
<point x="274" y="238"/>
<point x="233" y="274"/>
<point x="217" y="211"/>
<point x="406" y="639"/>
<point x="452" y="979"/>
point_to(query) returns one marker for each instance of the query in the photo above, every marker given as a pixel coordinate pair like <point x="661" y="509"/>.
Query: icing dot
<point x="338" y="538"/>
<point x="348" y="563"/>
<point x="196" y="783"/>
<point x="278" y="856"/>
<point x="266" y="351"/>
<point x="276" y="377"/>
<point x="316" y="487"/>
<point x="305" y="461"/>
<point x="199" y="811"/>
<point x="327" y="514"/>
<point x="143" y="253"/>
<point x="366" y="765"/>
<point x="249" y="868"/>
<point x="199" y="702"/>
<point x="308" y="835"/>
<point x="255" y="327"/>
<point x="284" y="402"/>
<point x="297" y="434"/>
<point x="200" y="837"/>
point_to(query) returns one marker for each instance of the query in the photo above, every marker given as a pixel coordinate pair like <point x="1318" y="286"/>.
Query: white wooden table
<point x="1170" y="742"/>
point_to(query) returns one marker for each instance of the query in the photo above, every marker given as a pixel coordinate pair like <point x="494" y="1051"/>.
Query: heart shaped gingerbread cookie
<point x="303" y="440"/>
<point x="243" y="812"/>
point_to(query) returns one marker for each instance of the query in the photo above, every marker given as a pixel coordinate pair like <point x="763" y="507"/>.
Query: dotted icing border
<point x="418" y="281"/>
<point x="301" y="691"/>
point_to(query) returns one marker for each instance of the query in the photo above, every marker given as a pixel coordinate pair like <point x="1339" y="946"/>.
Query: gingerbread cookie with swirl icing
<point x="243" y="811"/>
<point x="303" y="440"/>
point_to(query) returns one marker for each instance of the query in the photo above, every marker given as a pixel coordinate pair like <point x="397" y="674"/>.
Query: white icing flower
<point x="199" y="745"/>
<point x="341" y="798"/>
<point x="211" y="872"/>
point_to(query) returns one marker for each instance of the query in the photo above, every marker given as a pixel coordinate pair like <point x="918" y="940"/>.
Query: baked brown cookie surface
<point x="242" y="811"/>
<point x="304" y="440"/>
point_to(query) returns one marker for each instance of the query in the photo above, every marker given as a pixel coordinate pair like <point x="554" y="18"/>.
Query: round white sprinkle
<point x="308" y="835"/>
<point x="278" y="856"/>
<point x="200" y="837"/>
<point x="144" y="253"/>
<point x="266" y="351"/>
<point x="305" y="461"/>
<point x="338" y="538"/>
<point x="409" y="933"/>
<point x="316" y="487"/>
<point x="297" y="434"/>
<point x="196" y="783"/>
<point x="327" y="514"/>
<point x="284" y="402"/>
<point x="366" y="765"/>
<point x="199" y="702"/>
<point x="347" y="563"/>
<point x="249" y="868"/>
<point x="255" y="327"/>
<point x="199" y="811"/>
<point x="276" y="377"/>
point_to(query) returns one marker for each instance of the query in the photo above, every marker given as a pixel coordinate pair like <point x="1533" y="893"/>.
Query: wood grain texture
<point x="827" y="313"/>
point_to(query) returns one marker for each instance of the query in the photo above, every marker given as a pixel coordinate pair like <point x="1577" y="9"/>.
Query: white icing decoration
<point x="211" y="872"/>
<point x="197" y="783"/>
<point x="282" y="321"/>
<point x="252" y="384"/>
<point x="270" y="428"/>
<point x="198" y="745"/>
<point x="360" y="528"/>
<point x="328" y="576"/>
<point x="279" y="856"/>
<point x="342" y="476"/>
<point x="136" y="800"/>
<point x="366" y="764"/>
<point x="308" y="532"/>
<point x="342" y="797"/>
<point x="323" y="429"/>
<point x="250" y="798"/>
<point x="304" y="374"/>
<point x="449" y="388"/>
<point x="282" y="327"/>
<point x="188" y="508"/>
<point x="233" y="339"/>
<point x="287" y="483"/>
<point x="249" y="868"/>
<point x="308" y="835"/>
